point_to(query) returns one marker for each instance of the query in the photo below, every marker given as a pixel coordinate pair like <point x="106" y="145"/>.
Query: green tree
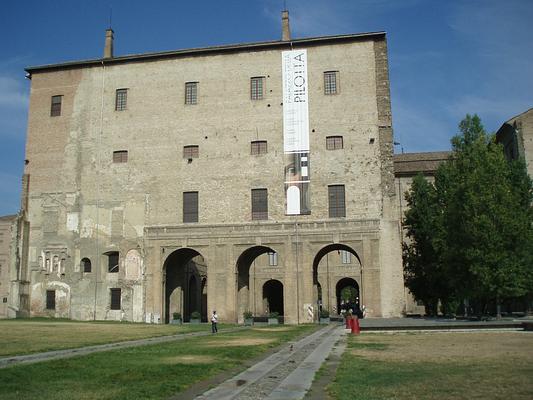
<point x="485" y="201"/>
<point x="423" y="273"/>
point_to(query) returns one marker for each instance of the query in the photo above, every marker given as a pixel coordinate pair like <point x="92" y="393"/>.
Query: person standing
<point x="214" y="321"/>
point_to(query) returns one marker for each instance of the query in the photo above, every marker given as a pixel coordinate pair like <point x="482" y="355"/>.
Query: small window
<point x="85" y="265"/>
<point x="256" y="88"/>
<point x="50" y="299"/>
<point x="190" y="207"/>
<point x="273" y="259"/>
<point x="115" y="298"/>
<point x="121" y="99"/>
<point x="55" y="110"/>
<point x="190" y="151"/>
<point x="330" y="82"/>
<point x="346" y="257"/>
<point x="112" y="262"/>
<point x="337" y="205"/>
<point x="259" y="204"/>
<point x="334" y="143"/>
<point x="120" y="156"/>
<point x="191" y="93"/>
<point x="259" y="147"/>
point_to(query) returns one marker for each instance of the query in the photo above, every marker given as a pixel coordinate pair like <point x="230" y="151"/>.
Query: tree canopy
<point x="470" y="233"/>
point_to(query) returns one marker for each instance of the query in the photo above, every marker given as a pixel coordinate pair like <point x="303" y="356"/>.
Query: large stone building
<point x="516" y="136"/>
<point x="159" y="183"/>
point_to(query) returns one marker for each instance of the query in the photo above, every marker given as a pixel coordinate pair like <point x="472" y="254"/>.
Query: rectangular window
<point x="272" y="259"/>
<point x="256" y="88"/>
<point x="337" y="206"/>
<point x="50" y="299"/>
<point x="112" y="262"/>
<point x="190" y="206"/>
<point x="115" y="298"/>
<point x="259" y="204"/>
<point x="259" y="147"/>
<point x="190" y="151"/>
<point x="121" y="99"/>
<point x="55" y="110"/>
<point x="191" y="93"/>
<point x="346" y="257"/>
<point x="334" y="143"/>
<point x="120" y="156"/>
<point x="330" y="82"/>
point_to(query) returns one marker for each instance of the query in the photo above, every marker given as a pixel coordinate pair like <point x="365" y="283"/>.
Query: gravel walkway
<point x="287" y="374"/>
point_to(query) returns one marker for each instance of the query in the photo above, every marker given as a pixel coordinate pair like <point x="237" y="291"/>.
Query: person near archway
<point x="214" y="321"/>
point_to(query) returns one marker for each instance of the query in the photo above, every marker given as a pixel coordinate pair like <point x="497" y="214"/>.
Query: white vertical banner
<point x="295" y="101"/>
<point x="296" y="131"/>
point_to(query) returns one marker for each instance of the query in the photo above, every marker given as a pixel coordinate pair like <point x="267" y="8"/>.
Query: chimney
<point x="285" y="30"/>
<point x="108" y="49"/>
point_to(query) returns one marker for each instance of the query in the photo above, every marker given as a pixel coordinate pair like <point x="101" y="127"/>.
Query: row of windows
<point x="257" y="147"/>
<point x="257" y="90"/>
<point x="336" y="204"/>
<point x="115" y="294"/>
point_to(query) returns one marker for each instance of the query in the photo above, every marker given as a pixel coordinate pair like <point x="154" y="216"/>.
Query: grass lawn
<point x="435" y="366"/>
<point x="147" y="372"/>
<point x="36" y="335"/>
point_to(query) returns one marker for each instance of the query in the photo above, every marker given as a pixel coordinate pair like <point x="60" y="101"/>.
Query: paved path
<point x="67" y="353"/>
<point x="286" y="374"/>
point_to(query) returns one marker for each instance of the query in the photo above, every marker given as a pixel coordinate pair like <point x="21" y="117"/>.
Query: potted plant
<point x="195" y="317"/>
<point x="176" y="318"/>
<point x="248" y="318"/>
<point x="273" y="318"/>
<point x="324" y="316"/>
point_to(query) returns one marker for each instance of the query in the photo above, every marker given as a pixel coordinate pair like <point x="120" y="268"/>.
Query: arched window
<point x="85" y="265"/>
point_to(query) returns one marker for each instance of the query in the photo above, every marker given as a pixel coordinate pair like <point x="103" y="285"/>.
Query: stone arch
<point x="184" y="270"/>
<point x="331" y="263"/>
<point x="248" y="289"/>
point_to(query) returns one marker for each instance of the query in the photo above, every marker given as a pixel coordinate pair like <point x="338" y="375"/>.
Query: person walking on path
<point x="214" y="321"/>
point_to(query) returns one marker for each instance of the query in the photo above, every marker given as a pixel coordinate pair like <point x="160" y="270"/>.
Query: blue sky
<point x="447" y="58"/>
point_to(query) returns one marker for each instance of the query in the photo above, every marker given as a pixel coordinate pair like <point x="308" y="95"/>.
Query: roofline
<point x="206" y="50"/>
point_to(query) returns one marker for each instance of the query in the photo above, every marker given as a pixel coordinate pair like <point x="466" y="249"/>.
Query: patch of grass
<point x="495" y="365"/>
<point x="147" y="372"/>
<point x="43" y="334"/>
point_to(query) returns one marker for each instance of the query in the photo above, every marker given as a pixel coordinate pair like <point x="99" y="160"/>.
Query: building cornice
<point x="202" y="51"/>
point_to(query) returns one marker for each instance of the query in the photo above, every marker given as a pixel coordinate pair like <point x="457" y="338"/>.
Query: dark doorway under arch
<point x="347" y="290"/>
<point x="273" y="296"/>
<point x="185" y="275"/>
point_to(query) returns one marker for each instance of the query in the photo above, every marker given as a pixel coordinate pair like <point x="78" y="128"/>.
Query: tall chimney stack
<point x="108" y="49"/>
<point x="285" y="29"/>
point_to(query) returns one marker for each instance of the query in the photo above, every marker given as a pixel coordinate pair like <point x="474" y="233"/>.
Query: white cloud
<point x="12" y="93"/>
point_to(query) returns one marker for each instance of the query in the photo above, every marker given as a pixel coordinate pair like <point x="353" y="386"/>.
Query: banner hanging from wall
<point x="296" y="131"/>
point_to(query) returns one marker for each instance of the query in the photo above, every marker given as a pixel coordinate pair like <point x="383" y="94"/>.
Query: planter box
<point x="176" y="322"/>
<point x="195" y="321"/>
<point x="248" y="321"/>
<point x="324" y="321"/>
<point x="273" y="321"/>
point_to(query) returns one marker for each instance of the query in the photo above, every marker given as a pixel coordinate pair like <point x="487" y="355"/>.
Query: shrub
<point x="176" y="315"/>
<point x="274" y="314"/>
<point x="324" y="313"/>
<point x="195" y="315"/>
<point x="247" y="314"/>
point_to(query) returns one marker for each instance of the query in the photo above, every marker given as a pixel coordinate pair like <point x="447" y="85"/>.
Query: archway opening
<point x="249" y="280"/>
<point x="185" y="273"/>
<point x="332" y="263"/>
<point x="273" y="296"/>
<point x="347" y="292"/>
